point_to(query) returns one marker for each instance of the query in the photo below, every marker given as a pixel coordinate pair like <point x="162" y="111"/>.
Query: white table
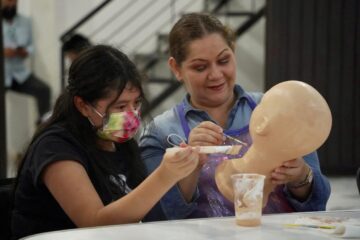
<point x="210" y="228"/>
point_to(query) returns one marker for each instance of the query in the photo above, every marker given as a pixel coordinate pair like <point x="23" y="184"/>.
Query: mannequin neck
<point x="256" y="161"/>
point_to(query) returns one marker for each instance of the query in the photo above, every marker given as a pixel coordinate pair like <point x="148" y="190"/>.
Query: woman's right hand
<point x="179" y="164"/>
<point x="206" y="134"/>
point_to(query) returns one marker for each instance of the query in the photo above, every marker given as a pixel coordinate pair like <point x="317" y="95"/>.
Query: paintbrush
<point x="291" y="225"/>
<point x="235" y="139"/>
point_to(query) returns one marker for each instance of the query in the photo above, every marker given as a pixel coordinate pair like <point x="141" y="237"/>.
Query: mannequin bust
<point x="291" y="120"/>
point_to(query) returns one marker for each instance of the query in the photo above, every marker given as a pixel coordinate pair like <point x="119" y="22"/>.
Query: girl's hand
<point x="292" y="172"/>
<point x="206" y="134"/>
<point x="202" y="157"/>
<point x="179" y="164"/>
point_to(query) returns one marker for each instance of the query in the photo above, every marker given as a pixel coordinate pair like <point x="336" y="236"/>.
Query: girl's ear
<point x="82" y="106"/>
<point x="175" y="68"/>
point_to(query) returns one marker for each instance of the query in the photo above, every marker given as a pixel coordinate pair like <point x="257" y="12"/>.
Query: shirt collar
<point x="238" y="90"/>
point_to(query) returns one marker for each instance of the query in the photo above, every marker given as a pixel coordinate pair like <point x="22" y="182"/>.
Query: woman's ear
<point x="81" y="106"/>
<point x="175" y="68"/>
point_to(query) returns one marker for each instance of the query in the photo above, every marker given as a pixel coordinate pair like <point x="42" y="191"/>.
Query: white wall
<point x="250" y="56"/>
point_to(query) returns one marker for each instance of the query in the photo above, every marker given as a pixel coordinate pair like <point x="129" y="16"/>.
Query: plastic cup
<point x="248" y="196"/>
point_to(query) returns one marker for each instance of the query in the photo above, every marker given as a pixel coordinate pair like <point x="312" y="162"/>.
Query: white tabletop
<point x="272" y="227"/>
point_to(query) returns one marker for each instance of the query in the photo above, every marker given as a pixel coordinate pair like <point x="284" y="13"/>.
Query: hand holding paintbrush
<point x="175" y="140"/>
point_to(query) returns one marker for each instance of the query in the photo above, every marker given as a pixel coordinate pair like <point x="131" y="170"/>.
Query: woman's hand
<point x="179" y="164"/>
<point x="206" y="134"/>
<point x="292" y="172"/>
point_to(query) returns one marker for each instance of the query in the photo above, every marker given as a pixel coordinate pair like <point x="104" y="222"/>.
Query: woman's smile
<point x="217" y="88"/>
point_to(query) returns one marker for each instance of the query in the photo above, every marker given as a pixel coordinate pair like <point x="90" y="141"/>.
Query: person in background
<point x="72" y="48"/>
<point x="74" y="45"/>
<point x="83" y="166"/>
<point x="18" y="45"/>
<point x="214" y="111"/>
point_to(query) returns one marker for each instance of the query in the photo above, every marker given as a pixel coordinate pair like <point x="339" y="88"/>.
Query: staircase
<point x="139" y="28"/>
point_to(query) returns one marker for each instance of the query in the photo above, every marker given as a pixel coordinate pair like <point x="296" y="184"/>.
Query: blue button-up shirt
<point x="153" y="144"/>
<point x="17" y="33"/>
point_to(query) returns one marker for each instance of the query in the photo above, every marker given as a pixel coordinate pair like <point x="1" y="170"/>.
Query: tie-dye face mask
<point x="119" y="127"/>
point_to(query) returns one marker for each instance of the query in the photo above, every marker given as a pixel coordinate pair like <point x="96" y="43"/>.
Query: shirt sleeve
<point x="152" y="147"/>
<point x="49" y="150"/>
<point x="320" y="191"/>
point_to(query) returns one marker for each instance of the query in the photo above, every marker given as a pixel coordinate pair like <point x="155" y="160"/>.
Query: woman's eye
<point x="200" y="68"/>
<point x="224" y="61"/>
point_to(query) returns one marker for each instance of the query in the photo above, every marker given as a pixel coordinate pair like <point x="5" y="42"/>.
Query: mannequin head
<point x="292" y="120"/>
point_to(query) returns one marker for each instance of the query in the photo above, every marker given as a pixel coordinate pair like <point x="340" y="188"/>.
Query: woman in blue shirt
<point x="202" y="57"/>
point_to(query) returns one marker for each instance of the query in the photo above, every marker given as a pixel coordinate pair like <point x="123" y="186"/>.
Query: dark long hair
<point x="99" y="71"/>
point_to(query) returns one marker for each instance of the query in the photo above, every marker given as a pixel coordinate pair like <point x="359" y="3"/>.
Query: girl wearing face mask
<point x="83" y="167"/>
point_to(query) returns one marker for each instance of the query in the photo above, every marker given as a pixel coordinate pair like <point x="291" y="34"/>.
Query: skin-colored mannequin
<point x="291" y="120"/>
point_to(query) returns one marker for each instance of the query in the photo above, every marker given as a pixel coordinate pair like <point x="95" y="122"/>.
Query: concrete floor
<point x="344" y="194"/>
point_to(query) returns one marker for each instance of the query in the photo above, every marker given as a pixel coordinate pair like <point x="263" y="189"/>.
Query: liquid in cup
<point x="248" y="196"/>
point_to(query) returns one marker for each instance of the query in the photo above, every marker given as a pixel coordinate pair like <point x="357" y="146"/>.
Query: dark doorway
<point x="318" y="42"/>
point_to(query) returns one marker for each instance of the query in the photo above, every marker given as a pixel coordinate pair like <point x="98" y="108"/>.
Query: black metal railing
<point x="84" y="19"/>
<point x="71" y="30"/>
<point x="132" y="18"/>
<point x="250" y="22"/>
<point x="109" y="21"/>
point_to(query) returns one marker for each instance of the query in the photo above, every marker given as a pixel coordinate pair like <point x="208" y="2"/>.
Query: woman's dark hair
<point x="194" y="26"/>
<point x="99" y="71"/>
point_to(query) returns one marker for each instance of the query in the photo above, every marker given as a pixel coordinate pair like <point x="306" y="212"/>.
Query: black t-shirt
<point x="35" y="209"/>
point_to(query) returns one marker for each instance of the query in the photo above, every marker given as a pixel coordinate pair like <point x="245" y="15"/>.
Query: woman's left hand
<point x="292" y="171"/>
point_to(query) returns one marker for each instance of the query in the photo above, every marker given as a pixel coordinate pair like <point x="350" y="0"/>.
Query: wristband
<point x="308" y="180"/>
